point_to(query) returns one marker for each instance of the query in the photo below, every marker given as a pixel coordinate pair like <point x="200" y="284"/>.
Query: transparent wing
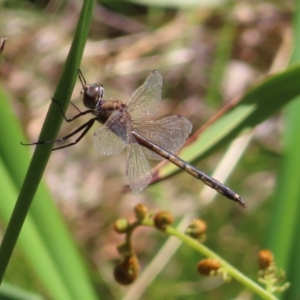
<point x="112" y="138"/>
<point x="137" y="168"/>
<point x="145" y="100"/>
<point x="169" y="133"/>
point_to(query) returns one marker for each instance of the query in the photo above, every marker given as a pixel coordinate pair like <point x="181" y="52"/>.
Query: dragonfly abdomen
<point x="211" y="182"/>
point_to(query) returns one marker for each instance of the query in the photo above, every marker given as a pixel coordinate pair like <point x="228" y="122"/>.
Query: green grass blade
<point x="255" y="106"/>
<point x="283" y="234"/>
<point x="8" y="291"/>
<point x="31" y="242"/>
<point x="44" y="214"/>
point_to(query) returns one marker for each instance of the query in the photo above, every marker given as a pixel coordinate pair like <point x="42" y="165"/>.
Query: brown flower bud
<point x="265" y="258"/>
<point x="196" y="229"/>
<point x="127" y="270"/>
<point x="162" y="220"/>
<point x="140" y="211"/>
<point x="206" y="266"/>
<point x="121" y="225"/>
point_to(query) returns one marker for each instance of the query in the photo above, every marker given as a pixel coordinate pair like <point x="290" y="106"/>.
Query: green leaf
<point x="44" y="238"/>
<point x="283" y="233"/>
<point x="253" y="108"/>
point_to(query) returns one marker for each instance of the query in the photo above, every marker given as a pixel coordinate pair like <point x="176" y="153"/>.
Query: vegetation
<point x="231" y="69"/>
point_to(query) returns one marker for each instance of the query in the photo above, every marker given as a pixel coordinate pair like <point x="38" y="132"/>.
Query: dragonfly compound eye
<point x="95" y="91"/>
<point x="92" y="94"/>
<point x="99" y="103"/>
<point x="101" y="92"/>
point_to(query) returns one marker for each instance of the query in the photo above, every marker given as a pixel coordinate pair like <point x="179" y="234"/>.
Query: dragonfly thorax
<point x="105" y="108"/>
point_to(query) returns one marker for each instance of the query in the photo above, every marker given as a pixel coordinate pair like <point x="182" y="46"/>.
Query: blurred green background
<point x="208" y="52"/>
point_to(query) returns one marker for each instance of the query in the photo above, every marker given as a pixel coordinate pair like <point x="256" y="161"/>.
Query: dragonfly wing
<point x="145" y="100"/>
<point x="137" y="168"/>
<point x="111" y="139"/>
<point x="169" y="133"/>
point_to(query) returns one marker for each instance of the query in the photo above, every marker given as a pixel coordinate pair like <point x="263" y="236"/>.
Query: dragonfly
<point x="127" y="125"/>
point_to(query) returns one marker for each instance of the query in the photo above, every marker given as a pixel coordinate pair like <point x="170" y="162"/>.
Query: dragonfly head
<point x="92" y="94"/>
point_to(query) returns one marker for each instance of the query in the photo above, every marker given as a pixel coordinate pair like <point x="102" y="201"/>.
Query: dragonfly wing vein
<point x="169" y="133"/>
<point x="145" y="100"/>
<point x="112" y="138"/>
<point x="137" y="167"/>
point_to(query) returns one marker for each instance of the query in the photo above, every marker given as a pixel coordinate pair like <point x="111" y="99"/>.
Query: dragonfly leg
<point x="81" y="78"/>
<point x="84" y="128"/>
<point x="81" y="113"/>
<point x="75" y="107"/>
